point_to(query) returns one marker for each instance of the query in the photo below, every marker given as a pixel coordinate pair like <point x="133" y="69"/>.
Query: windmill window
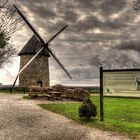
<point x="40" y="83"/>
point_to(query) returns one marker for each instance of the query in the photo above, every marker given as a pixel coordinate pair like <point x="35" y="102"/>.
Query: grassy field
<point x="21" y="91"/>
<point x="121" y="115"/>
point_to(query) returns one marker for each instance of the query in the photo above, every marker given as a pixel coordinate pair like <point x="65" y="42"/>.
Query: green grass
<point x="13" y="92"/>
<point x="121" y="115"/>
<point x="27" y="97"/>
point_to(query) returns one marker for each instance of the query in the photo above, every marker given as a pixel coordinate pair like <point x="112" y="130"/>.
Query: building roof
<point x="32" y="47"/>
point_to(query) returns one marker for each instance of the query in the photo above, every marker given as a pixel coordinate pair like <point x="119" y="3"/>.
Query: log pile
<point x="78" y="94"/>
<point x="59" y="93"/>
<point x="35" y="92"/>
<point x="59" y="88"/>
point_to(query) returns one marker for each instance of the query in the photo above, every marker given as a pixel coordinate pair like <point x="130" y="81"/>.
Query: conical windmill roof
<point x="32" y="47"/>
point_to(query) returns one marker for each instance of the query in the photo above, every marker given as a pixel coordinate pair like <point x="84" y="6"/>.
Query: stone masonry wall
<point x="38" y="70"/>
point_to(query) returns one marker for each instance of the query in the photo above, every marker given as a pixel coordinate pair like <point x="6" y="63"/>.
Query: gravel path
<point x="22" y="119"/>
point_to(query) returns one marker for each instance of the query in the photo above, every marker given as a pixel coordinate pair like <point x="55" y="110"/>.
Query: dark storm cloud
<point x="112" y="6"/>
<point x="116" y="58"/>
<point x="92" y="38"/>
<point x="96" y="61"/>
<point x="87" y="4"/>
<point x="92" y="22"/>
<point x="89" y="22"/>
<point x="129" y="45"/>
<point x="86" y="72"/>
<point x="44" y="10"/>
<point x="99" y="33"/>
<point x="116" y="24"/>
<point x="70" y="16"/>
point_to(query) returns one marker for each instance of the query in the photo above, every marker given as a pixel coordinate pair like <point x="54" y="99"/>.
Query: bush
<point x="87" y="109"/>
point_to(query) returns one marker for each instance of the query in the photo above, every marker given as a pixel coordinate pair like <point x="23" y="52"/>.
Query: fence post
<point x="101" y="95"/>
<point x="10" y="90"/>
<point x="24" y="90"/>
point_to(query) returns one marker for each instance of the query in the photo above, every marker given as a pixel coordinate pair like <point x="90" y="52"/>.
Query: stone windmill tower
<point x="37" y="73"/>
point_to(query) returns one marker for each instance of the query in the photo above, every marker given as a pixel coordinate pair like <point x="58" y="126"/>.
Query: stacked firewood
<point x="78" y="94"/>
<point x="59" y="88"/>
<point x="35" y="91"/>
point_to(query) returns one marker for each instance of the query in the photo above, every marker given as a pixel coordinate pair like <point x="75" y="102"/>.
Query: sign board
<point x="117" y="81"/>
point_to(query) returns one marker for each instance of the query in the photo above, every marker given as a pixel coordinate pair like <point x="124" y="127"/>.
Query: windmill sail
<point x="52" y="38"/>
<point x="60" y="64"/>
<point x="31" y="27"/>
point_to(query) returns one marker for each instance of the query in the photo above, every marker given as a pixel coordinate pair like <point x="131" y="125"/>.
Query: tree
<point x="9" y="23"/>
<point x="136" y="6"/>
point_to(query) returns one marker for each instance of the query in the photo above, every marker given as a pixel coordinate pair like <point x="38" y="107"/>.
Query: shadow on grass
<point x="86" y="120"/>
<point x="28" y="97"/>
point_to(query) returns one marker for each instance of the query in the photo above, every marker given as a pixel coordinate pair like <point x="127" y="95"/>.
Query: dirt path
<point x="22" y="119"/>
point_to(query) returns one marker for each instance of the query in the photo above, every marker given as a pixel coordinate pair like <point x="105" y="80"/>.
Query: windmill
<point x="43" y="47"/>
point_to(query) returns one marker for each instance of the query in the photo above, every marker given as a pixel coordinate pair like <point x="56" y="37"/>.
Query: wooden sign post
<point x="101" y="95"/>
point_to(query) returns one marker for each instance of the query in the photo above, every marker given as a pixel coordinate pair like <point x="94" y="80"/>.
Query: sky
<point x="100" y="33"/>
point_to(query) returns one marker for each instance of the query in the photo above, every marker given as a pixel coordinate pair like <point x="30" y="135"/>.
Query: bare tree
<point x="9" y="23"/>
<point x="136" y="6"/>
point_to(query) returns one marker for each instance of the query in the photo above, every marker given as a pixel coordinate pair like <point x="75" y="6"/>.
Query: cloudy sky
<point x="100" y="33"/>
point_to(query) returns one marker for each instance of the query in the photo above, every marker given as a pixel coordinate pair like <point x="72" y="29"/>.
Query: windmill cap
<point x="32" y="47"/>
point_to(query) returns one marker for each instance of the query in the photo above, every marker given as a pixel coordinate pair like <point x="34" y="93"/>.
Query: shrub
<point x="87" y="109"/>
